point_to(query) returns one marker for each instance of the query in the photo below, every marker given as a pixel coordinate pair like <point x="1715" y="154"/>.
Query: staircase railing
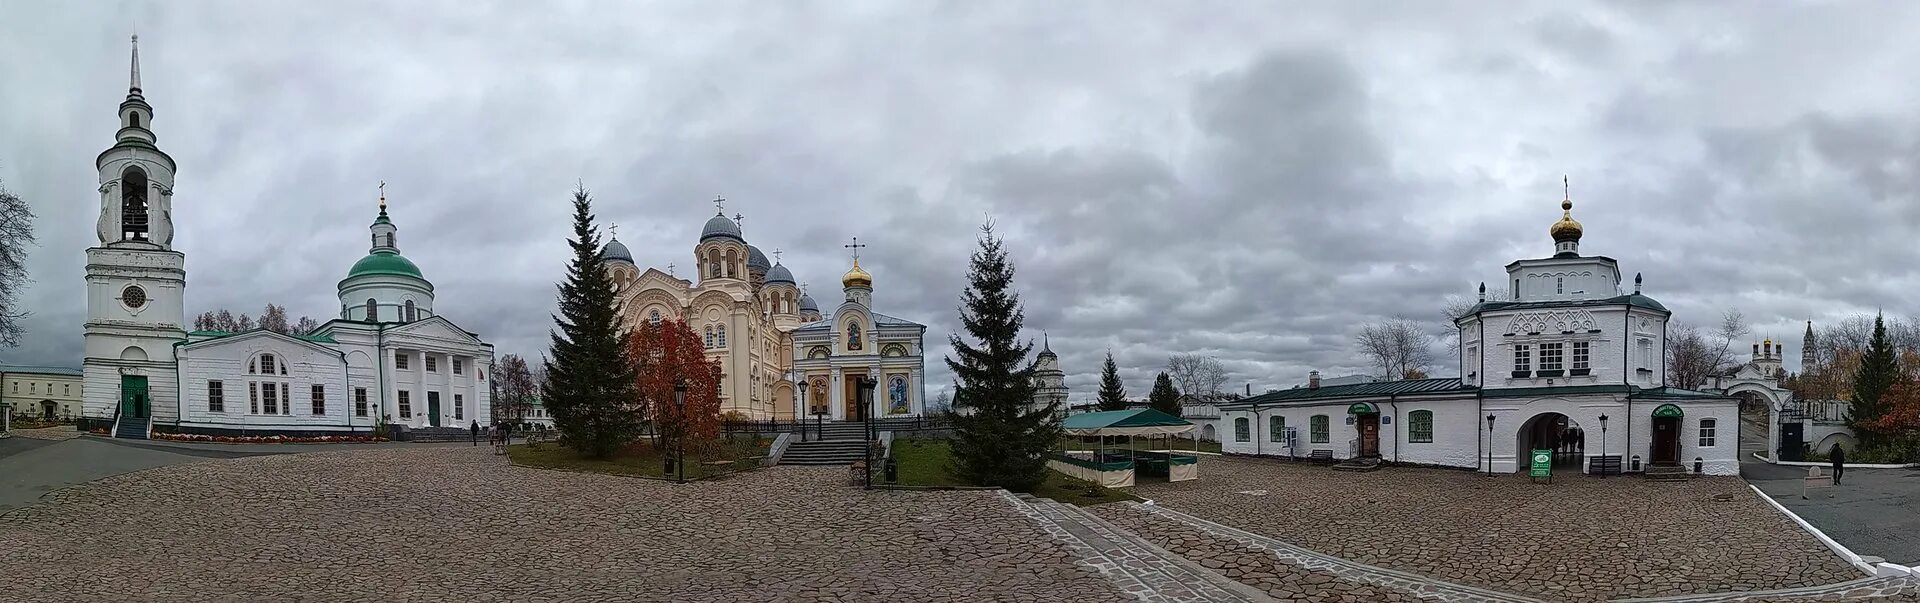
<point x="113" y="429"/>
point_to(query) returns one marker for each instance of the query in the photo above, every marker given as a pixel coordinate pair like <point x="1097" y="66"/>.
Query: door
<point x="133" y="396"/>
<point x="433" y="408"/>
<point x="1369" y="434"/>
<point x="1793" y="442"/>
<point x="850" y="397"/>
<point x="1666" y="441"/>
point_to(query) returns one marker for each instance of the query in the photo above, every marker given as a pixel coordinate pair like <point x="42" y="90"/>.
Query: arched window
<point x="411" y="315"/>
<point x="709" y="337"/>
<point x="729" y="263"/>
<point x="373" y="311"/>
<point x="853" y="335"/>
<point x="654" y="317"/>
<point x="133" y="204"/>
<point x="1276" y="428"/>
<point x="720" y="336"/>
<point x="134" y="118"/>
<point x="1420" y="426"/>
<point x="1242" y="430"/>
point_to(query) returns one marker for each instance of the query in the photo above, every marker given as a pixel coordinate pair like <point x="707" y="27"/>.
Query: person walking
<point x="1839" y="458"/>
<point x="475" y="429"/>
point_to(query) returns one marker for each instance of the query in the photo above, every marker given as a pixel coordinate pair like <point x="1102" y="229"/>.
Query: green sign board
<point x="1360" y="408"/>
<point x="1542" y="464"/>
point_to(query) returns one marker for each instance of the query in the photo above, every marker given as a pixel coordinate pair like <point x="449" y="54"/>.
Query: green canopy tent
<point x="1113" y="469"/>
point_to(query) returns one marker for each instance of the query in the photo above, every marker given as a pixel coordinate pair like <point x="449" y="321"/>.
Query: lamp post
<point x="1603" y="445"/>
<point x="800" y="396"/>
<point x="1489" y="445"/>
<point x="866" y="385"/>
<point x="680" y="431"/>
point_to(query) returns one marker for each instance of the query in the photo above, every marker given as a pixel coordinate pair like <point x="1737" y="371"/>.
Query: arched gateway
<point x="1552" y="431"/>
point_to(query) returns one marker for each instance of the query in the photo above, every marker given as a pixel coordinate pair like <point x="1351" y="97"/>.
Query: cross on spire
<point x="776" y="255"/>
<point x="855" y="246"/>
<point x="719" y="203"/>
<point x="739" y="219"/>
<point x="383" y="196"/>
<point x="1566" y="188"/>
<point x="614" y="230"/>
<point x="669" y="268"/>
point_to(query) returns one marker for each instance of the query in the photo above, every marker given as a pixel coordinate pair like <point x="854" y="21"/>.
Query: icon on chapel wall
<point x="897" y="395"/>
<point x="853" y="336"/>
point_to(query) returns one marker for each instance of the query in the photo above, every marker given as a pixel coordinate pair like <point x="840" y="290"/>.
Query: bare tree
<point x="274" y="318"/>
<point x="1693" y="356"/>
<point x="1399" y="347"/>
<point x="223" y="321"/>
<point x="513" y="389"/>
<point x="206" y="321"/>
<point x="16" y="234"/>
<point x="306" y="326"/>
<point x="244" y="324"/>
<point x="1456" y="306"/>
<point x="1197" y="376"/>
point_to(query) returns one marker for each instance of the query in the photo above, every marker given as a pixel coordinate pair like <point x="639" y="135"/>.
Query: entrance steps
<point x="1359" y="463"/>
<point x="836" y="443"/>
<point x="130" y="428"/>
<point x="1138" y="567"/>
<point x="1668" y="473"/>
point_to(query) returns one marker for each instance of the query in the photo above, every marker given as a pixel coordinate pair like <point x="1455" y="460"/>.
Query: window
<point x="319" y="399"/>
<point x="459" y="408"/>
<point x="270" y="399"/>
<point x="653" y="317"/>
<point x="253" y="397"/>
<point x="1582" y="358"/>
<point x="359" y="401"/>
<point x="1707" y="435"/>
<point x="266" y="363"/>
<point x="66" y="390"/>
<point x="373" y="311"/>
<point x="456" y="366"/>
<point x="1559" y="285"/>
<point x="709" y="343"/>
<point x="411" y="315"/>
<point x="433" y="364"/>
<point x="1522" y="360"/>
<point x="1470" y="362"/>
<point x="1551" y="356"/>
<point x="33" y="388"/>
<point x="1276" y="429"/>
<point x="1320" y="431"/>
<point x="134" y="119"/>
<point x="1420" y="426"/>
<point x="720" y="336"/>
<point x="216" y="399"/>
<point x="400" y="361"/>
<point x="286" y="393"/>
<point x="406" y="404"/>
<point x="133" y="204"/>
<point x="1241" y="427"/>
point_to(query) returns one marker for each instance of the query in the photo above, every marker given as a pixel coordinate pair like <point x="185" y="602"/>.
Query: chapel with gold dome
<point x="834" y="355"/>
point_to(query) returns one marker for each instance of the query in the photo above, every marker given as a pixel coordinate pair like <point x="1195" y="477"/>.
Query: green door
<point x="133" y="396"/>
<point x="433" y="408"/>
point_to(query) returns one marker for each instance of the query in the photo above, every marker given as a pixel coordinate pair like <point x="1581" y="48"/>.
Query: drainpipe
<point x="1480" y="397"/>
<point x="1392" y="400"/>
<point x="380" y="364"/>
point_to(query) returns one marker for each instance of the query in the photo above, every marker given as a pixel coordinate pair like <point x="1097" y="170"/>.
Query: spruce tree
<point x="1164" y="398"/>
<point x="590" y="380"/>
<point x="1878" y="371"/>
<point x="1002" y="438"/>
<point x="1113" y="394"/>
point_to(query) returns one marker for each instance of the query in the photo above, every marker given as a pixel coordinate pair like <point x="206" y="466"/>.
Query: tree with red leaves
<point x="666" y="353"/>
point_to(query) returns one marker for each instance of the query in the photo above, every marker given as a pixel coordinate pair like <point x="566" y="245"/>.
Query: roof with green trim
<point x="1445" y="385"/>
<point x="385" y="261"/>
<point x="1138" y="417"/>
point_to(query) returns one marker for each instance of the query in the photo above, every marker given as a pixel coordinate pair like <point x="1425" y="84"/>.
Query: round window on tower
<point x="133" y="296"/>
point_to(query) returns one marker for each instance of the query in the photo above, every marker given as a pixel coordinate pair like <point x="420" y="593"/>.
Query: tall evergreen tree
<point x="1113" y="394"/>
<point x="1164" y="398"/>
<point x="1879" y="369"/>
<point x="590" y="380"/>
<point x="1001" y="439"/>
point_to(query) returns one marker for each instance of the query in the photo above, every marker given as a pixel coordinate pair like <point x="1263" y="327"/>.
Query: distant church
<point x="1564" y="369"/>
<point x="388" y="357"/>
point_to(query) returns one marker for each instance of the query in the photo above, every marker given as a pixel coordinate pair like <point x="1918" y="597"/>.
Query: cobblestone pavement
<point x="439" y="524"/>
<point x="1578" y="539"/>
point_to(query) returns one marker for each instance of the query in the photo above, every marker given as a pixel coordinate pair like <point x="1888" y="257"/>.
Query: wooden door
<point x="1369" y="434"/>
<point x="133" y="396"/>
<point x="1666" y="441"/>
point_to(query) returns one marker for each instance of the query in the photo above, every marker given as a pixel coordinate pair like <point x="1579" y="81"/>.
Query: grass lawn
<point x="928" y="462"/>
<point x="641" y="459"/>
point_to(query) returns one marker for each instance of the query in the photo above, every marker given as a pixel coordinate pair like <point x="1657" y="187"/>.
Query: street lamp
<point x="1603" y="445"/>
<point x="1489" y="445"/>
<point x="680" y="431"/>
<point x="866" y="384"/>
<point x="800" y="396"/>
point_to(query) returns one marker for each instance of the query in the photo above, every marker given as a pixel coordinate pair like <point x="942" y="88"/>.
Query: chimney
<point x="1249" y="389"/>
<point x="1313" y="379"/>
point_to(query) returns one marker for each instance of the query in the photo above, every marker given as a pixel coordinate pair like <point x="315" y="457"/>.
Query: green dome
<point x="385" y="262"/>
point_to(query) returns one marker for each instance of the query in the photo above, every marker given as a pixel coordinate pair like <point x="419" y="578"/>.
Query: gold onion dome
<point x="1566" y="228"/>
<point x="857" y="277"/>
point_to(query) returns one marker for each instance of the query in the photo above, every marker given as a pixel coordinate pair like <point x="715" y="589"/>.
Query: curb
<point x="1757" y="456"/>
<point x="1837" y="548"/>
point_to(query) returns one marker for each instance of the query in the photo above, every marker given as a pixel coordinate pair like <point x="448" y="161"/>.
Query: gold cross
<point x="856" y="248"/>
<point x="383" y="195"/>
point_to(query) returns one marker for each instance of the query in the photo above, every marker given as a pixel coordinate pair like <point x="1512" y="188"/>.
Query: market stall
<point x="1093" y="460"/>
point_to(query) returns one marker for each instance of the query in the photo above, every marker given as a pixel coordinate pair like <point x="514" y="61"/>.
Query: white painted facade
<point x="832" y="354"/>
<point x="387" y="358"/>
<point x="1539" y="368"/>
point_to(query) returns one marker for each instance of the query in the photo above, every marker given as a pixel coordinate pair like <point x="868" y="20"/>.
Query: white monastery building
<point x="854" y="343"/>
<point x="388" y="358"/>
<point x="1564" y="361"/>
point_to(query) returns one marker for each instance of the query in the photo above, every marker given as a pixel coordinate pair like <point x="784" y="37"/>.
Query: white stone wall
<point x="226" y="360"/>
<point x="1613" y="351"/>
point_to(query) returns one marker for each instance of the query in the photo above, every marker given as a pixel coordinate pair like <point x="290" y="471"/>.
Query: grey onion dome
<point x="757" y="260"/>
<point x="720" y="226"/>
<point x="807" y="303"/>
<point x="615" y="250"/>
<point x="779" y="274"/>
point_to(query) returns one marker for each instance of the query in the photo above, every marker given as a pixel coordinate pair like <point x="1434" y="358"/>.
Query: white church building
<point x="388" y="358"/>
<point x="1564" y="361"/>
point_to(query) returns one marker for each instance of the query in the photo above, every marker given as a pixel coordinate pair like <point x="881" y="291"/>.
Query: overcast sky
<point x="1249" y="180"/>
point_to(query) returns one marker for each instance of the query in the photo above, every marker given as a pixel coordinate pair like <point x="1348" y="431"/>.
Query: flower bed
<point x="269" y="439"/>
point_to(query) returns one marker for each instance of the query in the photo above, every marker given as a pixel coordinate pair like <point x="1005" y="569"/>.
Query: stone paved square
<point x="459" y="524"/>
<point x="1576" y="539"/>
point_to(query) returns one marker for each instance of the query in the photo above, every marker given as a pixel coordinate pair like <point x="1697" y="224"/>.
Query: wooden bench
<point x="1321" y="456"/>
<point x="1604" y="465"/>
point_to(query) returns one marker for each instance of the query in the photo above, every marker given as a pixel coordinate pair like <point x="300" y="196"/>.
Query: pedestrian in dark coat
<point x="1839" y="458"/>
<point x="475" y="428"/>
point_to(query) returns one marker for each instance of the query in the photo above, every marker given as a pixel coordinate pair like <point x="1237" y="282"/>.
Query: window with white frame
<point x="1551" y="355"/>
<point x="406" y="404"/>
<point x="253" y="397"/>
<point x="1582" y="358"/>
<point x="1708" y="429"/>
<point x="459" y="408"/>
<point x="1559" y="285"/>
<point x="433" y="364"/>
<point x="1242" y="430"/>
<point x="1319" y="430"/>
<point x="216" y="399"/>
<point x="270" y="399"/>
<point x="266" y="364"/>
<point x="399" y="361"/>
<point x="319" y="399"/>
<point x="286" y="395"/>
<point x="457" y="366"/>
<point x="1522" y="360"/>
<point x="1420" y="426"/>
<point x="359" y="401"/>
<point x="1276" y="428"/>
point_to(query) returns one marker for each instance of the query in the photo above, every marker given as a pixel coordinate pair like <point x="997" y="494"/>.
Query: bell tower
<point x="136" y="282"/>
